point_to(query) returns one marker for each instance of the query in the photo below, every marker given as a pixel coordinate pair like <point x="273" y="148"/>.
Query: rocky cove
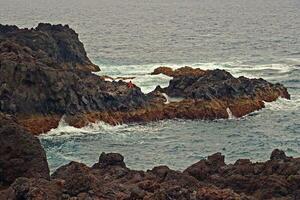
<point x="45" y="74"/>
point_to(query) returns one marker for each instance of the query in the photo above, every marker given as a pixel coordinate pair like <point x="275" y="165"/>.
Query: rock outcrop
<point x="241" y="95"/>
<point x="277" y="178"/>
<point x="45" y="74"/>
<point x="220" y="84"/>
<point x="210" y="94"/>
<point x="53" y="46"/>
<point x="183" y="71"/>
<point x="24" y="174"/>
<point x="21" y="154"/>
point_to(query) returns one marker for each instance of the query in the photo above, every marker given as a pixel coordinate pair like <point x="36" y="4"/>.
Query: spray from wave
<point x="65" y="130"/>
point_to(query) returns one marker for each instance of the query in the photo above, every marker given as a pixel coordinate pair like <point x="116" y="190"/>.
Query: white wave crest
<point x="282" y="104"/>
<point x="171" y="99"/>
<point x="230" y="115"/>
<point x="65" y="130"/>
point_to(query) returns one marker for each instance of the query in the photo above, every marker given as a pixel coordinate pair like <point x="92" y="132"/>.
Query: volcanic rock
<point x="220" y="84"/>
<point x="210" y="178"/>
<point x="45" y="74"/>
<point x="183" y="71"/>
<point x="21" y="154"/>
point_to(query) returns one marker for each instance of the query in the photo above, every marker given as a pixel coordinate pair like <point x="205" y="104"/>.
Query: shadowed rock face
<point x="220" y="84"/>
<point x="54" y="46"/>
<point x="21" y="154"/>
<point x="45" y="71"/>
<point x="209" y="178"/>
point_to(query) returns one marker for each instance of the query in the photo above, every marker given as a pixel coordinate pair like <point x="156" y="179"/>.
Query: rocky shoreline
<point x="45" y="74"/>
<point x="24" y="174"/>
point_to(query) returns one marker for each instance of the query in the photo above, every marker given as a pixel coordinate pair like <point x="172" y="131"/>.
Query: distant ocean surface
<point x="257" y="38"/>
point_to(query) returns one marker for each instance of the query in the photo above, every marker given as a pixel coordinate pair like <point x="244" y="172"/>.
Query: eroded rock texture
<point x="212" y="179"/>
<point x="45" y="73"/>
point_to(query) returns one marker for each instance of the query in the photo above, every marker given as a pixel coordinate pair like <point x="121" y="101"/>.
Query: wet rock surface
<point x="209" y="178"/>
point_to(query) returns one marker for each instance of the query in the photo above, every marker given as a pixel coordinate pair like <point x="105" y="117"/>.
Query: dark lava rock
<point x="278" y="155"/>
<point x="21" y="154"/>
<point x="45" y="71"/>
<point x="210" y="178"/>
<point x="110" y="159"/>
<point x="33" y="189"/>
<point x="273" y="179"/>
<point x="52" y="45"/>
<point x="220" y="84"/>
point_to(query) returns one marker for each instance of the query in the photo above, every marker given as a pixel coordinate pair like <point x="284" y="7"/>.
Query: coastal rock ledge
<point x="45" y="74"/>
<point x="109" y="178"/>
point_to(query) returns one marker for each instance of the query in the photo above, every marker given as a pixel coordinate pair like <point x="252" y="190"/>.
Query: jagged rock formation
<point x="220" y="84"/>
<point x="209" y="178"/>
<point x="183" y="71"/>
<point x="47" y="45"/>
<point x="277" y="178"/>
<point x="21" y="154"/>
<point x="206" y="95"/>
<point x="24" y="174"/>
<point x="46" y="74"/>
<point x="241" y="95"/>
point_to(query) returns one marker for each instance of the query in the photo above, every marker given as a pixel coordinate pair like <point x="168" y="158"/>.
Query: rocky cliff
<point x="45" y="73"/>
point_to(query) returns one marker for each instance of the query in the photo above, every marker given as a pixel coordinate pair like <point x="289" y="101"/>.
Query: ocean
<point x="257" y="38"/>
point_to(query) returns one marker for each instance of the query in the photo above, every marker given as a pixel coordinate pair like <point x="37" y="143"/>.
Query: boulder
<point x="278" y="155"/>
<point x="110" y="159"/>
<point x="21" y="154"/>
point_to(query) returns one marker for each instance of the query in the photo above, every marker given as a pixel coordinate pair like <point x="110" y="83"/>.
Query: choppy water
<point x="258" y="38"/>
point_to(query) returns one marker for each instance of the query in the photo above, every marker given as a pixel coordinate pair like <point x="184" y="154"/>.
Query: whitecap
<point x="65" y="130"/>
<point x="230" y="115"/>
<point x="171" y="99"/>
